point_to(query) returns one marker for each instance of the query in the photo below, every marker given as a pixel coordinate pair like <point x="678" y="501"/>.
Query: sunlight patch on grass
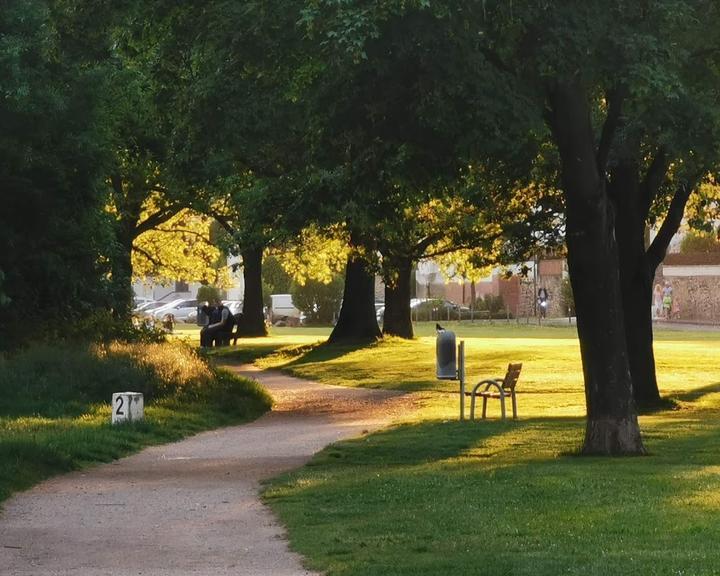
<point x="437" y="496"/>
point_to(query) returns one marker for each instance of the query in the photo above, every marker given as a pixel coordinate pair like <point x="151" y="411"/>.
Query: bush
<point x="567" y="299"/>
<point x="209" y="294"/>
<point x="700" y="242"/>
<point x="61" y="381"/>
<point x="494" y="305"/>
<point x="319" y="302"/>
<point x="102" y="326"/>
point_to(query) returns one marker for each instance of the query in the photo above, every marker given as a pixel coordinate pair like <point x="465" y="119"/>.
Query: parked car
<point x="145" y="312"/>
<point x="149" y="305"/>
<point x="140" y="301"/>
<point x="235" y="306"/>
<point x="178" y="308"/>
<point x="283" y="311"/>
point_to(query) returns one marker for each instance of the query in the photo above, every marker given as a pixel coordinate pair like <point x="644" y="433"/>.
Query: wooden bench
<point x="224" y="338"/>
<point x="235" y="334"/>
<point x="499" y="388"/>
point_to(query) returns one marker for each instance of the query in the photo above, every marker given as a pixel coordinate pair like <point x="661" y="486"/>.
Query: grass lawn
<point x="436" y="496"/>
<point x="55" y="405"/>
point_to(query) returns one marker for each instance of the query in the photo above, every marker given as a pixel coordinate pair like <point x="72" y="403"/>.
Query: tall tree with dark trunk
<point x="244" y="238"/>
<point x="483" y="224"/>
<point x="397" y="317"/>
<point x="559" y="55"/>
<point x="236" y="138"/>
<point x="666" y="147"/>
<point x="253" y="323"/>
<point x="118" y="40"/>
<point x="357" y="321"/>
<point x="612" y="425"/>
<point x="633" y="200"/>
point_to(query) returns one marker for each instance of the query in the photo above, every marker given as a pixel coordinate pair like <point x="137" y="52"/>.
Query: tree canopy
<point x="414" y="127"/>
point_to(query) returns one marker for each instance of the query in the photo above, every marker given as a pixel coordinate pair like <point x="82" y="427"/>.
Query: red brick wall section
<point x="510" y="292"/>
<point x="550" y="267"/>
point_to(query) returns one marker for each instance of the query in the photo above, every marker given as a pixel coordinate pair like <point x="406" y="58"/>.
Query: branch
<point x="469" y="245"/>
<point x="155" y="261"/>
<point x="116" y="182"/>
<point x="658" y="248"/>
<point x="654" y="177"/>
<point x="223" y="221"/>
<point x="615" y="99"/>
<point x="159" y="217"/>
<point x="426" y="242"/>
<point x="200" y="235"/>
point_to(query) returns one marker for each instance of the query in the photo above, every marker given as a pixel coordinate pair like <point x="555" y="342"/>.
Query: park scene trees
<point x="327" y="143"/>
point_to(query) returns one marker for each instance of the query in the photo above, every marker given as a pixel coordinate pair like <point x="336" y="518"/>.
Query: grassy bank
<point x="55" y="405"/>
<point x="436" y="496"/>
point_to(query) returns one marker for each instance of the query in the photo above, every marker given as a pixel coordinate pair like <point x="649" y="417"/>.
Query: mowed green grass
<point x="551" y="383"/>
<point x="433" y="495"/>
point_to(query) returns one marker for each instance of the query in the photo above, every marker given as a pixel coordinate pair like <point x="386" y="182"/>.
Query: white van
<point x="283" y="310"/>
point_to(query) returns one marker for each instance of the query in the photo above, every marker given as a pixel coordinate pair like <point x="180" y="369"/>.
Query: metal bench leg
<point x="484" y="406"/>
<point x="502" y="406"/>
<point x="514" y="405"/>
<point x="472" y="407"/>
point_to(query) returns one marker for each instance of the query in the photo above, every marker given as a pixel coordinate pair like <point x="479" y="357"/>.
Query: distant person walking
<point x="657" y="303"/>
<point x="542" y="302"/>
<point x="667" y="301"/>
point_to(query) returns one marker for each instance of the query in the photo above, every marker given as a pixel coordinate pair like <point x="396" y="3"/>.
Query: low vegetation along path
<point x="191" y="507"/>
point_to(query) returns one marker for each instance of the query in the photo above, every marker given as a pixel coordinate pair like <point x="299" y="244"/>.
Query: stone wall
<point x="528" y="295"/>
<point x="696" y="298"/>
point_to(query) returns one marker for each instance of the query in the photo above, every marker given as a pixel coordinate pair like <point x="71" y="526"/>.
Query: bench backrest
<point x="511" y="376"/>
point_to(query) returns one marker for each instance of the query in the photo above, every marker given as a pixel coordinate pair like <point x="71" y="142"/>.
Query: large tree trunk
<point x="636" y="282"/>
<point x="121" y="270"/>
<point x="396" y="320"/>
<point x="357" y="320"/>
<point x="253" y="321"/>
<point x="612" y="424"/>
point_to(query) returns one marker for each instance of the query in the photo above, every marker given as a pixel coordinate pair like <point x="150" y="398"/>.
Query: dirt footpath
<point x="191" y="507"/>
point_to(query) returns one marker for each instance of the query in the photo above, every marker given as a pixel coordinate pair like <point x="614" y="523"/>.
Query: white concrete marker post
<point x="127" y="407"/>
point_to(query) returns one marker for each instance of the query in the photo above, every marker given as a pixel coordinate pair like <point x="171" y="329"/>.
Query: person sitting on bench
<point x="218" y="331"/>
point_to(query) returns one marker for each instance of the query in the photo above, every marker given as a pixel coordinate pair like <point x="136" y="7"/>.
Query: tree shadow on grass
<point x="240" y="354"/>
<point x="294" y="355"/>
<point x="326" y="351"/>
<point x="425" y="487"/>
<point x="433" y="441"/>
<point x="697" y="393"/>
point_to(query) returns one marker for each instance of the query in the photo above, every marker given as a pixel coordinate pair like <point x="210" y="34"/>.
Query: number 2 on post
<point x="120" y="401"/>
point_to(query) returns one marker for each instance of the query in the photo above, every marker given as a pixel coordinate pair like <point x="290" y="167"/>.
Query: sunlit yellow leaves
<point x="180" y="249"/>
<point x="315" y="255"/>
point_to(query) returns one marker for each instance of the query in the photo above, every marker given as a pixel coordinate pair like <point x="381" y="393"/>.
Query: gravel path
<point x="191" y="507"/>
